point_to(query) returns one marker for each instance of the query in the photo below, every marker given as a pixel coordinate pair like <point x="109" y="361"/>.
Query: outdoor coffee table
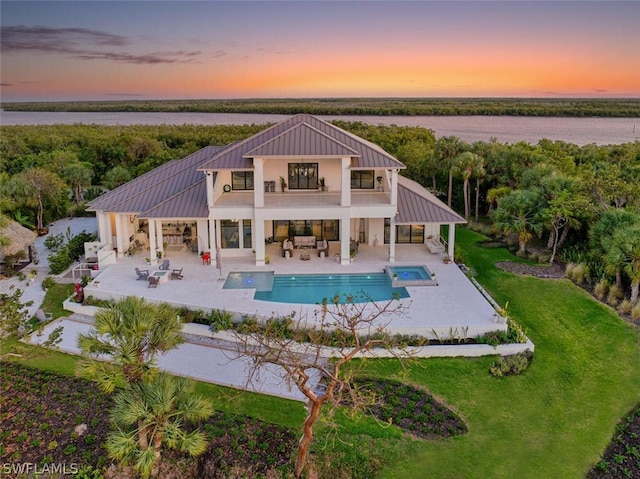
<point x="163" y="276"/>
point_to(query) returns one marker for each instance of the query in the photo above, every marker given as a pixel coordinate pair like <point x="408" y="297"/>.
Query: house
<point x="302" y="180"/>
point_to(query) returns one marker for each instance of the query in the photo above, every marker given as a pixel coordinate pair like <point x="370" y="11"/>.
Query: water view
<point x="506" y="129"/>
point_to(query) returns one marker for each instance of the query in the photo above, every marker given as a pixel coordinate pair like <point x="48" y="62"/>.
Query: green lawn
<point x="557" y="418"/>
<point x="553" y="421"/>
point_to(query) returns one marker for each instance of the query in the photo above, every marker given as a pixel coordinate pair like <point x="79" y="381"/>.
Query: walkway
<point x="215" y="364"/>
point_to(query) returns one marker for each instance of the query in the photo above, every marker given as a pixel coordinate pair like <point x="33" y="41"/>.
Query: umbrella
<point x="219" y="262"/>
<point x="17" y="238"/>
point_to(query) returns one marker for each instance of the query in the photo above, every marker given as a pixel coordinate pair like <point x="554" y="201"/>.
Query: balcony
<point x="301" y="199"/>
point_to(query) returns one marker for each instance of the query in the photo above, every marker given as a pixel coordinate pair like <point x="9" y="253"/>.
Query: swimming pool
<point x="411" y="276"/>
<point x="312" y="288"/>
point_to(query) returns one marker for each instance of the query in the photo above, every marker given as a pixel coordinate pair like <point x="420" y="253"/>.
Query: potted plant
<point x="283" y="184"/>
<point x="395" y="276"/>
<point x="321" y="184"/>
<point x="158" y="254"/>
<point x="379" y="180"/>
<point x="352" y="255"/>
<point x="267" y="259"/>
<point x="446" y="259"/>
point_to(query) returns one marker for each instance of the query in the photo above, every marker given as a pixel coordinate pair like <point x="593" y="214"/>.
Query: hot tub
<point x="411" y="275"/>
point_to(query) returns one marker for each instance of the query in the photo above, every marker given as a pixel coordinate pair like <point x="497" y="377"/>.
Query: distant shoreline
<point x="535" y="107"/>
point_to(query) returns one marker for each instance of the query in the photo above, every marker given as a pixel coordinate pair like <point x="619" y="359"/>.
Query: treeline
<point x="565" y="107"/>
<point x="578" y="203"/>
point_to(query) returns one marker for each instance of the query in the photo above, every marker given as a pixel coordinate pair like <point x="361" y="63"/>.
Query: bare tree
<point x="353" y="328"/>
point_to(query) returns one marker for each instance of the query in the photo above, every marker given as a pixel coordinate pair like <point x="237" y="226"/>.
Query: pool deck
<point x="453" y="307"/>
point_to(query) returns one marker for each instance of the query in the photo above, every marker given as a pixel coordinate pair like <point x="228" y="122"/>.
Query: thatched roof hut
<point x="18" y="238"/>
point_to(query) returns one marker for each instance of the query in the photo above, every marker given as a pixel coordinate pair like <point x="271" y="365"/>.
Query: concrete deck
<point x="454" y="307"/>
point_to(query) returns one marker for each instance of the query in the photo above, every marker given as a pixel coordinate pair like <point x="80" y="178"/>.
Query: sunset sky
<point x="118" y="50"/>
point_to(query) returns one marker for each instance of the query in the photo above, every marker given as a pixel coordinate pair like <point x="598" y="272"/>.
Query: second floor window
<point x="362" y="179"/>
<point x="303" y="176"/>
<point x="242" y="180"/>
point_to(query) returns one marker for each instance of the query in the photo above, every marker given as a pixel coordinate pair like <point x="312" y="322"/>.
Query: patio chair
<point x="153" y="282"/>
<point x="287" y="246"/>
<point x="43" y="317"/>
<point x="142" y="273"/>
<point x="322" y="245"/>
<point x="176" y="273"/>
<point x="165" y="265"/>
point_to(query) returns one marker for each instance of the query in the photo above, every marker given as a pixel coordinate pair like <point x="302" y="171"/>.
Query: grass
<point x="555" y="419"/>
<point x="56" y="294"/>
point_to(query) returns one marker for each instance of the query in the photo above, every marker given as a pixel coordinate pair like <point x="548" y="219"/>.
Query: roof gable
<point x="302" y="140"/>
<point x="237" y="156"/>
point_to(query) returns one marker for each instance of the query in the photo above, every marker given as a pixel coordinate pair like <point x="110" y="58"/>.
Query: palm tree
<point x="130" y="334"/>
<point x="152" y="413"/>
<point x="518" y="213"/>
<point x="604" y="241"/>
<point x="467" y="165"/>
<point x="446" y="149"/>
<point x="624" y="252"/>
<point x="78" y="175"/>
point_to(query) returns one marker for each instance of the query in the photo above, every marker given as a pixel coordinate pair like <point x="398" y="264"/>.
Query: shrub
<point x="614" y="296"/>
<point x="48" y="282"/>
<point x="511" y="365"/>
<point x="534" y="256"/>
<point x="635" y="312"/>
<point x="220" y="320"/>
<point x="601" y="289"/>
<point x="54" y="242"/>
<point x="568" y="271"/>
<point x="59" y="261"/>
<point x="580" y="273"/>
<point x="625" y="306"/>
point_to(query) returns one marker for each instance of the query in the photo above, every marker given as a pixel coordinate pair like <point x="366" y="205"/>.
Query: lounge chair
<point x="165" y="265"/>
<point x="176" y="273"/>
<point x="142" y="273"/>
<point x="153" y="282"/>
<point x="287" y="246"/>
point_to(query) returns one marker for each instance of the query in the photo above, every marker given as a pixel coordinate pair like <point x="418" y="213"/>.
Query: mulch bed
<point x="622" y="458"/>
<point x="539" y="271"/>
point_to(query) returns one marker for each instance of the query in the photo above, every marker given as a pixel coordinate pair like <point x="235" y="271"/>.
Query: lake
<point x="506" y="129"/>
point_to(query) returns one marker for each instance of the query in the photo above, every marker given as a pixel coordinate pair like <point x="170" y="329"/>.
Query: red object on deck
<point x="206" y="258"/>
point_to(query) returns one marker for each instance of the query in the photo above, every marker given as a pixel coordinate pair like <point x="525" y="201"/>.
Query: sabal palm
<point x="602" y="237"/>
<point x="518" y="213"/>
<point x="152" y="414"/>
<point x="467" y="165"/>
<point x="629" y="240"/>
<point x="130" y="334"/>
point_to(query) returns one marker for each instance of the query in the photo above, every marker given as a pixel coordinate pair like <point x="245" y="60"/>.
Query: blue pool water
<point x="312" y="288"/>
<point x="406" y="273"/>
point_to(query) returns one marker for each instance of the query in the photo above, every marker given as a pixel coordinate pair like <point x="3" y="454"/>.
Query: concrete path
<point x="214" y="364"/>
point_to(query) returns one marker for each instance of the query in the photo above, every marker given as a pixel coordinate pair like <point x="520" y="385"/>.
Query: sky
<point x="142" y="50"/>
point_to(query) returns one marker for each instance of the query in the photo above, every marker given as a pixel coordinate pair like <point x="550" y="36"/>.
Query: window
<point x="407" y="234"/>
<point x="321" y="229"/>
<point x="229" y="234"/>
<point x="362" y="179"/>
<point x="242" y="180"/>
<point x="303" y="176"/>
<point x="246" y="226"/>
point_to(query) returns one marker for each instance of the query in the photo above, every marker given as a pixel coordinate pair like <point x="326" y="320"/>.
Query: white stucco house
<point x="233" y="199"/>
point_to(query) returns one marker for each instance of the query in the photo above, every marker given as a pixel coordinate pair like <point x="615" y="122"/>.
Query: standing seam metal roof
<point x="157" y="186"/>
<point x="371" y="156"/>
<point x="417" y="205"/>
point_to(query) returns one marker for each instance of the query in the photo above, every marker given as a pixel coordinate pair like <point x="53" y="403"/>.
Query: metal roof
<point x="190" y="203"/>
<point x="302" y="140"/>
<point x="365" y="154"/>
<point x="417" y="205"/>
<point x="166" y="182"/>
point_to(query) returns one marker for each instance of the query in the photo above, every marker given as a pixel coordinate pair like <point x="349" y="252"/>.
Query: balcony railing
<point x="297" y="199"/>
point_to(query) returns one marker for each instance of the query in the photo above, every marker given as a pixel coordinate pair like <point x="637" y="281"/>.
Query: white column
<point x="159" y="234"/>
<point x="394" y="187"/>
<point x="345" y="184"/>
<point x="213" y="241"/>
<point x="258" y="233"/>
<point x="109" y="238"/>
<point x="120" y="232"/>
<point x="103" y="220"/>
<point x="203" y="235"/>
<point x="451" y="240"/>
<point x="345" y="240"/>
<point x="392" y="240"/>
<point x="210" y="197"/>
<point x="153" y="245"/>
<point x="258" y="182"/>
